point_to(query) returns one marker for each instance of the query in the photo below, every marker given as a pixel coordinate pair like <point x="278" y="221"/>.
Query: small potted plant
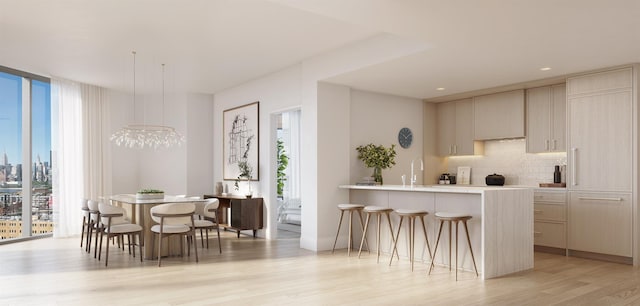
<point x="149" y="194"/>
<point x="246" y="172"/>
<point x="378" y="158"/>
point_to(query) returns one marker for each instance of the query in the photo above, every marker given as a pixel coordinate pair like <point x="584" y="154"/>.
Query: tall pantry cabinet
<point x="600" y="153"/>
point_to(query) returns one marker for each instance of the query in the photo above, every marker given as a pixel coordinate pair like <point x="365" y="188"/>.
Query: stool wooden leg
<point x="338" y="232"/>
<point x="449" y="223"/>
<point x="392" y="238"/>
<point x="456" y="222"/>
<point x="436" y="247"/>
<point x="364" y="234"/>
<point x="412" y="237"/>
<point x="378" y="238"/>
<point x="395" y="243"/>
<point x="366" y="244"/>
<point x="350" y="242"/>
<point x="466" y="229"/>
<point x="424" y="229"/>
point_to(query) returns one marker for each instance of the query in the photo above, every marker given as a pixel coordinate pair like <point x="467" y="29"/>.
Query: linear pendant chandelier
<point x="144" y="135"/>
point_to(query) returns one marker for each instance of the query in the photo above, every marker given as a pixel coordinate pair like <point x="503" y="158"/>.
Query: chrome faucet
<point x="414" y="178"/>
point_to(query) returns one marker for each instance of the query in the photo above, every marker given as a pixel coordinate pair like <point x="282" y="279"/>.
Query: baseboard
<point x="551" y="250"/>
<point x="603" y="257"/>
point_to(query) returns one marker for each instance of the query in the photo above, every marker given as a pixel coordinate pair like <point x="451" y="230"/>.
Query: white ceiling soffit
<point x="484" y="44"/>
<point x="207" y="45"/>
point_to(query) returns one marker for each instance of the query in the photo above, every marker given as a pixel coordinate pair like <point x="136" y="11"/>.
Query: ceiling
<point x="209" y="45"/>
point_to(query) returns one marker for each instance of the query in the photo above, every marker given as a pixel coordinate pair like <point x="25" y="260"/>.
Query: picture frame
<point x="241" y="140"/>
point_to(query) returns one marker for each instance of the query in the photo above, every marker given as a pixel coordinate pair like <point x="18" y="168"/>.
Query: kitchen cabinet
<point x="600" y="163"/>
<point x="600" y="134"/>
<point x="601" y="223"/>
<point x="455" y="129"/>
<point x="499" y="116"/>
<point x="546" y="119"/>
<point x="550" y="221"/>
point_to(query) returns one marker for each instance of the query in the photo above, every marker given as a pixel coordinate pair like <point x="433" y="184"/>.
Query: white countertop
<point x="437" y="188"/>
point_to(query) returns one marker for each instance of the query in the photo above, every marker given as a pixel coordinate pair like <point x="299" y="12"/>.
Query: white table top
<point x="131" y="199"/>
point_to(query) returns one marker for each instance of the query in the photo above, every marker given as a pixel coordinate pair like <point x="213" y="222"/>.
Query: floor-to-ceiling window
<point x="25" y="148"/>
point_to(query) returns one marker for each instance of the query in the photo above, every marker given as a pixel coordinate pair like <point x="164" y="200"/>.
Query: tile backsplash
<point x="509" y="158"/>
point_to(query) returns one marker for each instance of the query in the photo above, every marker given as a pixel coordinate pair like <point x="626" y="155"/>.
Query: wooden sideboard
<point x="246" y="214"/>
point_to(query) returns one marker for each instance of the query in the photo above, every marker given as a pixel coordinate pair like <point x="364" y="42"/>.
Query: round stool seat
<point x="350" y="206"/>
<point x="452" y="216"/>
<point x="411" y="212"/>
<point x="377" y="209"/>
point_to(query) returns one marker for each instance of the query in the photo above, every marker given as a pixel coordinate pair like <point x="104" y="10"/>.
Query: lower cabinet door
<point x="600" y="223"/>
<point x="550" y="234"/>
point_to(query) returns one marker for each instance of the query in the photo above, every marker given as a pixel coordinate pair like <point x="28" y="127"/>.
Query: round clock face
<point x="405" y="137"/>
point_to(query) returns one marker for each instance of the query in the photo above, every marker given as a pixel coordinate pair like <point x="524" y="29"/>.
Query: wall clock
<point x="405" y="137"/>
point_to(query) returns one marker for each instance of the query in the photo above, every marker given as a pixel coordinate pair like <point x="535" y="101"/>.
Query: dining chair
<point x="206" y="218"/>
<point x="172" y="219"/>
<point x="113" y="223"/>
<point x="86" y="217"/>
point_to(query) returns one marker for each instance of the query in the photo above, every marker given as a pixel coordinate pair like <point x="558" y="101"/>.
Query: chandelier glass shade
<point x="143" y="135"/>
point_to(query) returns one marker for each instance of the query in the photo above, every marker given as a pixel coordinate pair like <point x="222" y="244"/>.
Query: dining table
<point x="139" y="212"/>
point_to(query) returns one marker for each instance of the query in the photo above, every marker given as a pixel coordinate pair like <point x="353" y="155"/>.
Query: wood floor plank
<point x="260" y="272"/>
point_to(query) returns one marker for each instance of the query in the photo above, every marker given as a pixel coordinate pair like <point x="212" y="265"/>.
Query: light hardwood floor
<point x="259" y="272"/>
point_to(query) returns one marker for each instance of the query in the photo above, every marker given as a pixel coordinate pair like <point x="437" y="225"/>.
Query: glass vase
<point x="377" y="175"/>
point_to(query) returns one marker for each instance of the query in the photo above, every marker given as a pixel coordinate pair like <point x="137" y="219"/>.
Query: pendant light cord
<point x="162" y="94"/>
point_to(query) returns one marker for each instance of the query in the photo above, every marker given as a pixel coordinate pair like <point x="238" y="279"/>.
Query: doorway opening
<point x="289" y="219"/>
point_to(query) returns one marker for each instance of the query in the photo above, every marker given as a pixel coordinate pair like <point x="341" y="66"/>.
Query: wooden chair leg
<point x="395" y="243"/>
<point x="466" y="229"/>
<point x="364" y="234"/>
<point x="393" y="239"/>
<point x="362" y="228"/>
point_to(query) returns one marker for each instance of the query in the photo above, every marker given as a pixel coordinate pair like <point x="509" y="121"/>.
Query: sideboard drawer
<point x="550" y="234"/>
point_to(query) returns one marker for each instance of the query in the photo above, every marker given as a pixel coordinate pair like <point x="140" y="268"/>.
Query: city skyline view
<point x="11" y="119"/>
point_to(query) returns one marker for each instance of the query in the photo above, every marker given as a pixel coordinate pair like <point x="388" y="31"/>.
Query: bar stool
<point x="456" y="218"/>
<point x="350" y="208"/>
<point x="378" y="211"/>
<point x="411" y="214"/>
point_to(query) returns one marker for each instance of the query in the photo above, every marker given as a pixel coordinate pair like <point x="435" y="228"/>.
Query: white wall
<point x="276" y="92"/>
<point x="179" y="170"/>
<point x="377" y="118"/>
<point x="298" y="86"/>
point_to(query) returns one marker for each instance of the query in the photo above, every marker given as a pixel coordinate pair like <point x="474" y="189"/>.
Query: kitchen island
<point x="501" y="230"/>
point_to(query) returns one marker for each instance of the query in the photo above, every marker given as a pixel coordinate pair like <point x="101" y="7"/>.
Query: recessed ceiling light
<point x="545" y="68"/>
<point x="440" y="88"/>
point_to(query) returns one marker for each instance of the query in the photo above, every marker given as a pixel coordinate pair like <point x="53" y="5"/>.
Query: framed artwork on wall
<point x="241" y="142"/>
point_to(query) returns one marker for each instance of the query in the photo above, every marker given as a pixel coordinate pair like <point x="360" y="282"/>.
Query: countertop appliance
<point x="494" y="180"/>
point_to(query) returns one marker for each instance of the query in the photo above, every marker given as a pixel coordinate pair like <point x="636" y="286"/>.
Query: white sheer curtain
<point x="96" y="148"/>
<point x="81" y="151"/>
<point x="68" y="183"/>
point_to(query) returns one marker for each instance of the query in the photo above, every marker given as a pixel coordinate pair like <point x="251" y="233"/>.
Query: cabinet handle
<point x="455" y="149"/>
<point x="574" y="176"/>
<point x="546" y="144"/>
<point x="450" y="146"/>
<point x="555" y="144"/>
<point x="537" y="211"/>
<point x="537" y="233"/>
<point x="600" y="199"/>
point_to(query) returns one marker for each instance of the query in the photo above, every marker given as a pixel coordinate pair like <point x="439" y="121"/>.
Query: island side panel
<point x="508" y="231"/>
<point x="470" y="204"/>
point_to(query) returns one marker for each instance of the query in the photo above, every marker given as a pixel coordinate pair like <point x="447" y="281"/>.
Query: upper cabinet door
<point x="558" y="141"/>
<point x="446" y="127"/>
<point x="464" y="144"/>
<point x="546" y="119"/>
<point x="538" y="119"/>
<point x="499" y="116"/>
